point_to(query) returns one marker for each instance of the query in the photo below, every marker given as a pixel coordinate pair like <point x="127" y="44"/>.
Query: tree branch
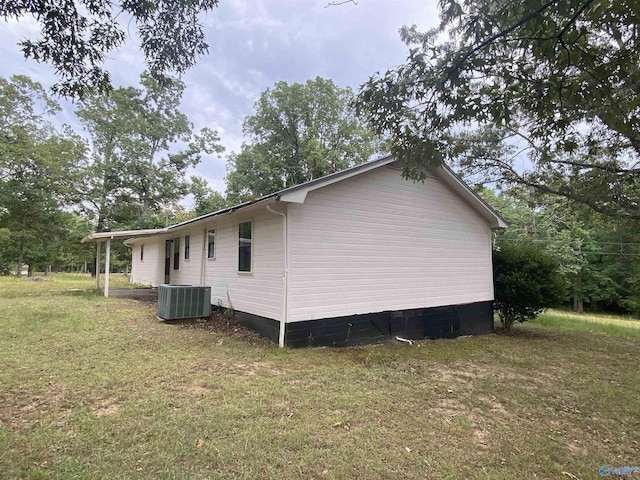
<point x="501" y="33"/>
<point x="343" y="2"/>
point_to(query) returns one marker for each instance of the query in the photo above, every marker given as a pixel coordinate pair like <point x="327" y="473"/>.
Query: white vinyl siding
<point x="189" y="271"/>
<point x="261" y="292"/>
<point x="377" y="242"/>
<point x="150" y="271"/>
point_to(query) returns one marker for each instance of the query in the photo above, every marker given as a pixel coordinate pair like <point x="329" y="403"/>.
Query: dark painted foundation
<point x="266" y="326"/>
<point x="439" y="322"/>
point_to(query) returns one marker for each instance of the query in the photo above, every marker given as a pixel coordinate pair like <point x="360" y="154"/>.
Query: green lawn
<point x="98" y="388"/>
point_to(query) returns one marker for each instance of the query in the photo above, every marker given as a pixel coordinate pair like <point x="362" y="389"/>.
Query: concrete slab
<point x="135" y="293"/>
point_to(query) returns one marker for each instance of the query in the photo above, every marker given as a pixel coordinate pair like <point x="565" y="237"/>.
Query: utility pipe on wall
<point x="285" y="276"/>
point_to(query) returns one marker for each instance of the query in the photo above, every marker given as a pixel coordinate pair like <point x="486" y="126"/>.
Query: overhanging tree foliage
<point x="541" y="93"/>
<point x="76" y="37"/>
<point x="299" y="132"/>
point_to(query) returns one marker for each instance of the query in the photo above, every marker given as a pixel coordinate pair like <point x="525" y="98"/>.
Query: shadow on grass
<point x="528" y="332"/>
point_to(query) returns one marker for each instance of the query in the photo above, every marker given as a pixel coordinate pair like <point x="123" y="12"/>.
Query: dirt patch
<point x="106" y="407"/>
<point x="251" y="368"/>
<point x="19" y="409"/>
<point x="482" y="438"/>
<point x="219" y="322"/>
<point x="448" y="408"/>
<point x="196" y="390"/>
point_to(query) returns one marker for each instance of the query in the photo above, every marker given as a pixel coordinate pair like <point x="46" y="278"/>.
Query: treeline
<point x="131" y="166"/>
<point x="598" y="255"/>
<point x="131" y="169"/>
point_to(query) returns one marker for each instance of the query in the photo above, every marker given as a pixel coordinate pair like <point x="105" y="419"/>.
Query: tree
<point x="299" y="132"/>
<point x="136" y="172"/>
<point x="526" y="282"/>
<point x="206" y="200"/>
<point x="541" y="93"/>
<point x="39" y="169"/>
<point x="77" y="36"/>
<point x="599" y="257"/>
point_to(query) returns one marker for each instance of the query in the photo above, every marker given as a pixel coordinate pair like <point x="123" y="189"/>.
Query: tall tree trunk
<point x="20" y="256"/>
<point x="578" y="297"/>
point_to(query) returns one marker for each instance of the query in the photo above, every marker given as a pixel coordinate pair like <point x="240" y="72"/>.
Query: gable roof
<point x="298" y="193"/>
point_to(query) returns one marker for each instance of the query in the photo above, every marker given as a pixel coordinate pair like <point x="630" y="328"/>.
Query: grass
<point x="94" y="387"/>
<point x="590" y="323"/>
<point x="56" y="284"/>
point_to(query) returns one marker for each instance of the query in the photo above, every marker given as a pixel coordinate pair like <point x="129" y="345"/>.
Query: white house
<point x="358" y="256"/>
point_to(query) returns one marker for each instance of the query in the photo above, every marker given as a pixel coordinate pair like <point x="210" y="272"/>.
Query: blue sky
<point x="252" y="45"/>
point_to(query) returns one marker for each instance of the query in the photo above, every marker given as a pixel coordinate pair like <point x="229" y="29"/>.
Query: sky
<point x="252" y="45"/>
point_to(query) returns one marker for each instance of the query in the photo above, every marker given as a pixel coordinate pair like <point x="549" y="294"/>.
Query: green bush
<point x="526" y="282"/>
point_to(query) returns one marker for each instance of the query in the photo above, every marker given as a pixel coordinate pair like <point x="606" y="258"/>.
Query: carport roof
<point x="123" y="234"/>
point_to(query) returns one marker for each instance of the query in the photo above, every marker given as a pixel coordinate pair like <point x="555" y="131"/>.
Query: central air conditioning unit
<point x="183" y="301"/>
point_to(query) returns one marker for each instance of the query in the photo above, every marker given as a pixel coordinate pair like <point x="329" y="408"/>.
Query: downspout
<point x="285" y="275"/>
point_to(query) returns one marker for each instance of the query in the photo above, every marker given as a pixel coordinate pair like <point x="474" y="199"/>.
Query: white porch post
<point x="98" y="265"/>
<point x="107" y="262"/>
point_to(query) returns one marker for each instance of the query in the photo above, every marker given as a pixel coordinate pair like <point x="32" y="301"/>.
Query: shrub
<point x="526" y="282"/>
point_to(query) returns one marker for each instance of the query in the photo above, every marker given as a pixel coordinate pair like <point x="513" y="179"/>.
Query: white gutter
<point x="285" y="275"/>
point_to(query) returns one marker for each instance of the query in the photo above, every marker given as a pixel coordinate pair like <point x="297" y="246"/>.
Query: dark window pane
<point x="142" y="252"/>
<point x="244" y="247"/>
<point x="211" y="248"/>
<point x="176" y="254"/>
<point x="245" y="230"/>
<point x="244" y="259"/>
<point x="187" y="241"/>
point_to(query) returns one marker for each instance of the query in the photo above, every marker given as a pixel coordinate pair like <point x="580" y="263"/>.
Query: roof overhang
<point x="99" y="236"/>
<point x="246" y="206"/>
<point x="298" y="194"/>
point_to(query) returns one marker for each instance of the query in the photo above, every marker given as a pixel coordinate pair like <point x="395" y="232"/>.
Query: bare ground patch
<point x="106" y="407"/>
<point x="20" y="407"/>
<point x="221" y="323"/>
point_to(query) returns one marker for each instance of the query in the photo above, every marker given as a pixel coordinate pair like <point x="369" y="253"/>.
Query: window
<point x="186" y="247"/>
<point x="244" y="246"/>
<point x="142" y="252"/>
<point x="176" y="254"/>
<point x="211" y="243"/>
